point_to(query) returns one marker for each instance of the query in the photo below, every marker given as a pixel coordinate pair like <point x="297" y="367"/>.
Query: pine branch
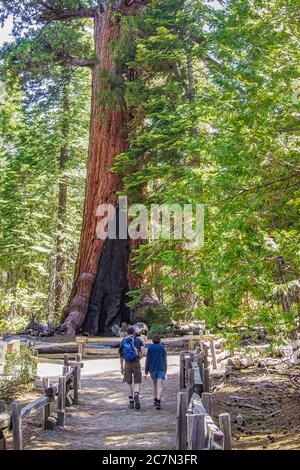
<point x="131" y="7"/>
<point x="63" y="15"/>
<point x="75" y="61"/>
<point x="178" y="75"/>
<point x="212" y="61"/>
<point x="262" y="186"/>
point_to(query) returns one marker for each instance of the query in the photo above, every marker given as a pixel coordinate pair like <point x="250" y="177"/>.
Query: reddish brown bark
<point x="108" y="138"/>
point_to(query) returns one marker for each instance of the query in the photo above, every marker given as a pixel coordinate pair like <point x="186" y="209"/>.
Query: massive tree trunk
<point x="97" y="305"/>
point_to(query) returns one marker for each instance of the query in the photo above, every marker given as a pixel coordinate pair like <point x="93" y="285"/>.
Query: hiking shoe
<point x="155" y="401"/>
<point x="137" y="401"/>
<point x="158" y="405"/>
<point x="131" y="405"/>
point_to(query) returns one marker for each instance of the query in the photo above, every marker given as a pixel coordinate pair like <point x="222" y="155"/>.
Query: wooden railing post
<point x="47" y="408"/>
<point x="78" y="359"/>
<point x="206" y="385"/>
<point x="66" y="360"/>
<point x="81" y="344"/>
<point x="187" y="366"/>
<point x="225" y="426"/>
<point x="181" y="432"/>
<point x="61" y="401"/>
<point x="201" y="340"/>
<point x="80" y="349"/>
<point x="191" y="343"/>
<point x="207" y="403"/>
<point x="76" y="382"/>
<point x="205" y="356"/>
<point x="182" y="370"/>
<point x="17" y="426"/>
<point x="2" y="432"/>
<point x="200" y="364"/>
<point x="196" y="431"/>
<point x="191" y="383"/>
<point x="213" y="355"/>
<point x="2" y="440"/>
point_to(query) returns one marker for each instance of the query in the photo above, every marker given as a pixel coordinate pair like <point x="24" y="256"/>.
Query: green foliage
<point x="158" y="329"/>
<point x="44" y="112"/>
<point x="152" y="315"/>
<point x="18" y="373"/>
<point x="231" y="145"/>
<point x="214" y="99"/>
<point x="136" y="297"/>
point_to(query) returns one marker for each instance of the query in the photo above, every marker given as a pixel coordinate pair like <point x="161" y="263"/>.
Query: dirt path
<point x="102" y="419"/>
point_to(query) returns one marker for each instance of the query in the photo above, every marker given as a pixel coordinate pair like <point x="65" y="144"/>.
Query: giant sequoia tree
<point x="108" y="138"/>
<point x="190" y="104"/>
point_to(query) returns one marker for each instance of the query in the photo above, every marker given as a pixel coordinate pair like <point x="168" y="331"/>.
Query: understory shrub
<point x="16" y="374"/>
<point x="158" y="328"/>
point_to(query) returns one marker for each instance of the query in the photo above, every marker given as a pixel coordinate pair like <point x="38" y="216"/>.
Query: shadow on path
<point x="102" y="419"/>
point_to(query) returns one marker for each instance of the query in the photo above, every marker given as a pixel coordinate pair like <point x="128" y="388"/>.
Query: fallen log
<point x="57" y="349"/>
<point x="219" y="343"/>
<point x="222" y="356"/>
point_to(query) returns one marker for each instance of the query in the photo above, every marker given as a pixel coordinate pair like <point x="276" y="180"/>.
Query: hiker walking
<point x="131" y="351"/>
<point x="156" y="364"/>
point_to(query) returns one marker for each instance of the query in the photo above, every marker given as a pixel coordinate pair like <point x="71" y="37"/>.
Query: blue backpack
<point x="130" y="352"/>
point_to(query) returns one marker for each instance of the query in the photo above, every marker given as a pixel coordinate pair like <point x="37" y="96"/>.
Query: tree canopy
<point x="213" y="100"/>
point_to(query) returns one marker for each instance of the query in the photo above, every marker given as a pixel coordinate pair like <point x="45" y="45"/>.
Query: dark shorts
<point x="133" y="370"/>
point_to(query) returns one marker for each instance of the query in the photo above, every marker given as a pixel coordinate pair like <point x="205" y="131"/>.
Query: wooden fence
<point x="63" y="393"/>
<point x="196" y="429"/>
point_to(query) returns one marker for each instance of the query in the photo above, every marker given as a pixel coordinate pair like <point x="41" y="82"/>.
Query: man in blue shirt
<point x="131" y="352"/>
<point x="156" y="364"/>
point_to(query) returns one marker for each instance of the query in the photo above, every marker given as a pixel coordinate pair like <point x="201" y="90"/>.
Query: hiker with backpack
<point x="131" y="351"/>
<point x="156" y="364"/>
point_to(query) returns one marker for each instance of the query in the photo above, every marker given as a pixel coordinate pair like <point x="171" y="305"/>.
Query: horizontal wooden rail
<point x="34" y="406"/>
<point x="204" y="435"/>
<point x="65" y="393"/>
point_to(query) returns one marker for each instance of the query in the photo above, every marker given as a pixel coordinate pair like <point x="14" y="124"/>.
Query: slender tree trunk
<point x="191" y="80"/>
<point x="108" y="138"/>
<point x="62" y="197"/>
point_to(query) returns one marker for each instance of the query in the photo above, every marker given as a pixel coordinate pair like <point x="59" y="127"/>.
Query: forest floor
<point x="268" y="403"/>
